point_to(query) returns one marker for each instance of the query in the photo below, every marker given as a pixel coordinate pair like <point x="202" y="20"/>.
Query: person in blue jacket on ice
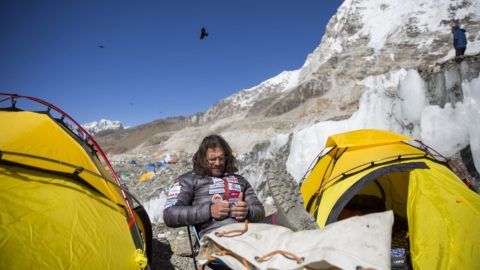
<point x="459" y="40"/>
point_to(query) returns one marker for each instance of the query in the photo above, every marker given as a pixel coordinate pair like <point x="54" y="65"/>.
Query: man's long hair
<point x="200" y="165"/>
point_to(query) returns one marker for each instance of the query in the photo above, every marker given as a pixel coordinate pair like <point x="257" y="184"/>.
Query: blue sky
<point x="153" y="64"/>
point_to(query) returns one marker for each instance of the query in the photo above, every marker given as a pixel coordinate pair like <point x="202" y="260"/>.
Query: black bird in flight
<point x="203" y="33"/>
<point x="100" y="46"/>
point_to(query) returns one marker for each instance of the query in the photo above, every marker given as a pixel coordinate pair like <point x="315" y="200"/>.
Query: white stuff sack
<point x="362" y="241"/>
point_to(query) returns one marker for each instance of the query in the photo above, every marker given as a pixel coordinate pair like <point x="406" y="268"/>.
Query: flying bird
<point x="203" y="33"/>
<point x="100" y="46"/>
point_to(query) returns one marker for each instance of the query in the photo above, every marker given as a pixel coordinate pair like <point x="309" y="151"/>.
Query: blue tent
<point x="150" y="167"/>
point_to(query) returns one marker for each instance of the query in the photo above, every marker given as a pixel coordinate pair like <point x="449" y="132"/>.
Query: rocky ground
<point x="164" y="239"/>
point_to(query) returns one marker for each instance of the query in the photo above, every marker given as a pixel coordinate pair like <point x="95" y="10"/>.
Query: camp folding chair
<point x="216" y="264"/>
<point x="197" y="243"/>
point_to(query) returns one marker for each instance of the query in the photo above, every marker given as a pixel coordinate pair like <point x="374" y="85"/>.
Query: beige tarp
<point x="362" y="241"/>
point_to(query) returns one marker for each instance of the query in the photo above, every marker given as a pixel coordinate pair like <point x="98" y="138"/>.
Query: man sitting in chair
<point x="212" y="195"/>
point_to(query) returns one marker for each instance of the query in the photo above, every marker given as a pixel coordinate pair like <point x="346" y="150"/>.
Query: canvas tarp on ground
<point x="355" y="243"/>
<point x="59" y="208"/>
<point x="442" y="212"/>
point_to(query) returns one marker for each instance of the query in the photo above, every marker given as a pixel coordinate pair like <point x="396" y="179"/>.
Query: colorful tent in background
<point x="133" y="162"/>
<point x="147" y="176"/>
<point x="150" y="167"/>
<point x="60" y="209"/>
<point x="367" y="170"/>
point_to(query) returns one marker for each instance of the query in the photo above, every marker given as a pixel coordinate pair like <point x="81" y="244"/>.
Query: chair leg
<point x="192" y="249"/>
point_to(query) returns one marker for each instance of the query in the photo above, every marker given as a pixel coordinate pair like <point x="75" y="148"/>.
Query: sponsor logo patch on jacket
<point x="216" y="180"/>
<point x="216" y="190"/>
<point x="170" y="202"/>
<point x="217" y="185"/>
<point x="234" y="187"/>
<point x="173" y="192"/>
<point x="231" y="179"/>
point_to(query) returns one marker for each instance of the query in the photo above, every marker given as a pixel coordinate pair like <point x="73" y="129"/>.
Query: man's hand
<point x="220" y="210"/>
<point x="240" y="209"/>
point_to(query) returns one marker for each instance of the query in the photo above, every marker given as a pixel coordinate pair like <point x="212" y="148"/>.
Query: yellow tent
<point x="60" y="209"/>
<point x="147" y="176"/>
<point x="442" y="212"/>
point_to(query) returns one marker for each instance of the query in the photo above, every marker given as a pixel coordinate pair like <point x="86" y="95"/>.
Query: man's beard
<point x="216" y="171"/>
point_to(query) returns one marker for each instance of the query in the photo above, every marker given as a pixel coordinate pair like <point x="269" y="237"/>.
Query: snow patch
<point x="154" y="208"/>
<point x="283" y="82"/>
<point x="412" y="95"/>
<point x="445" y="130"/>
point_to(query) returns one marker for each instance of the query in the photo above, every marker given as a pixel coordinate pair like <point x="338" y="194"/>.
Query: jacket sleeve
<point x="455" y="39"/>
<point x="256" y="212"/>
<point x="179" y="210"/>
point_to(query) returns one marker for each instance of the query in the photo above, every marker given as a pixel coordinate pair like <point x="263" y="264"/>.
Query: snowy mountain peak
<point x="104" y="124"/>
<point x="240" y="102"/>
<point x="283" y="82"/>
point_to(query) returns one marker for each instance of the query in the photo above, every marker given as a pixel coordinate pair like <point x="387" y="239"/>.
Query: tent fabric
<point x="442" y="213"/>
<point x="444" y="220"/>
<point x="364" y="137"/>
<point x="36" y="135"/>
<point x="48" y="222"/>
<point x="349" y="244"/>
<point x="359" y="185"/>
<point x="60" y="208"/>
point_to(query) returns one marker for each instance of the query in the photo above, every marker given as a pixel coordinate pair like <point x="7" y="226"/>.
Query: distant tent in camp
<point x="367" y="171"/>
<point x="159" y="164"/>
<point x="168" y="158"/>
<point x="147" y="176"/>
<point x="150" y="167"/>
<point x="60" y="209"/>
<point x="133" y="162"/>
